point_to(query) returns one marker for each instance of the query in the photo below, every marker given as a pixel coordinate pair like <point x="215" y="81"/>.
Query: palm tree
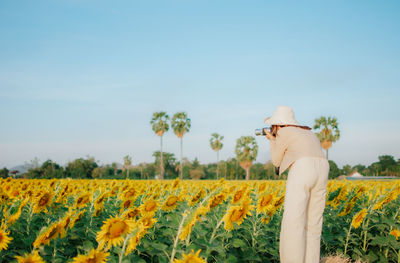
<point x="216" y="145"/>
<point x="329" y="132"/>
<point x="127" y="164"/>
<point x="246" y="152"/>
<point x="160" y="126"/>
<point x="181" y="124"/>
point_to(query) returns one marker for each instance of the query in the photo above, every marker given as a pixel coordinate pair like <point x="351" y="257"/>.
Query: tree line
<point x="230" y="169"/>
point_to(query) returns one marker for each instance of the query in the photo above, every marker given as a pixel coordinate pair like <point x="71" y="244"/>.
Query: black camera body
<point x="261" y="132"/>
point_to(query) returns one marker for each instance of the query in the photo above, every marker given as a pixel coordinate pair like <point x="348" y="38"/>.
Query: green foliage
<point x="127" y="161"/>
<point x="246" y="149"/>
<point x="169" y="161"/>
<point x="4" y="172"/>
<point x="81" y="168"/>
<point x="159" y="122"/>
<point x="196" y="171"/>
<point x="216" y="141"/>
<point x="246" y="152"/>
<point x="180" y="124"/>
<point x="386" y="166"/>
<point x="334" y="170"/>
<point x="327" y="131"/>
<point x="48" y="169"/>
<point x="347" y="169"/>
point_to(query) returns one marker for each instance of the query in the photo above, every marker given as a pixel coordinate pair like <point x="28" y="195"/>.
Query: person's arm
<point x="278" y="148"/>
<point x="277" y="152"/>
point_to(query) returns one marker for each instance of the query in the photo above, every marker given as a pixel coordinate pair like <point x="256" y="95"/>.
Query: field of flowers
<point x="185" y="221"/>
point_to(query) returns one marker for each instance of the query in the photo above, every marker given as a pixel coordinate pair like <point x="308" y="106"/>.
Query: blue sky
<point x="82" y="78"/>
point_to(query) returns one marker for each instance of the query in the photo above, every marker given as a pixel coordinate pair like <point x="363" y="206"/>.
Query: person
<point x="298" y="149"/>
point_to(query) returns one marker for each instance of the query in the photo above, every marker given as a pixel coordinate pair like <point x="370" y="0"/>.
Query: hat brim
<point x="273" y="121"/>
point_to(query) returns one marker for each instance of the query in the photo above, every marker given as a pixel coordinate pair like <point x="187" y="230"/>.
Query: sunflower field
<point x="100" y="221"/>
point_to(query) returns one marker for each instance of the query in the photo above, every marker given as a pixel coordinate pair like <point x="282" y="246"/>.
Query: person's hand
<point x="268" y="135"/>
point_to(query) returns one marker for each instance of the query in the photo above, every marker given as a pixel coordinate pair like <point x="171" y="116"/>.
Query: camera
<point x="261" y="132"/>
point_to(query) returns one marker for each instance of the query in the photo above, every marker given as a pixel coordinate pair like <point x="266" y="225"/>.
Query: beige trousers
<point x="304" y="205"/>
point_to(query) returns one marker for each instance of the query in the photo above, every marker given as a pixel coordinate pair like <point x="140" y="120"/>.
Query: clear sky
<point x="82" y="78"/>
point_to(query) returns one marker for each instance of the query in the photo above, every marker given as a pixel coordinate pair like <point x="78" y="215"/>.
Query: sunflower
<point x="266" y="219"/>
<point x="264" y="202"/>
<point x="147" y="221"/>
<point x="347" y="209"/>
<point x="30" y="258"/>
<point x="134" y="240"/>
<point x="358" y="218"/>
<point x="335" y="203"/>
<point x="113" y="232"/>
<point x="262" y="187"/>
<point x="191" y="258"/>
<point x="236" y="214"/>
<point x="82" y="200"/>
<point x="98" y="208"/>
<point x="196" y="198"/>
<point x="171" y="203"/>
<point x="149" y="206"/>
<point x="361" y="189"/>
<point x="175" y="183"/>
<point x="342" y="195"/>
<point x="395" y="233"/>
<point x="129" y="194"/>
<point x="216" y="200"/>
<point x="131" y="213"/>
<point x="94" y="256"/>
<point x="13" y="218"/>
<point x="76" y="218"/>
<point x="278" y="203"/>
<point x="238" y="195"/>
<point x="191" y="221"/>
<point x="4" y="239"/>
<point x="126" y="205"/>
<point x="50" y="233"/>
<point x="390" y="197"/>
<point x="101" y="198"/>
<point x="65" y="222"/>
<point x="14" y="193"/>
<point x="43" y="200"/>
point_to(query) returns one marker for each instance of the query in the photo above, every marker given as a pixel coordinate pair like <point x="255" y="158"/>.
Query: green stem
<point x="347" y="240"/>
<point x="30" y="218"/>
<point x="55" y="249"/>
<point x="91" y="217"/>
<point x="128" y="237"/>
<point x="121" y="254"/>
<point x="185" y="214"/>
<point x="215" y="231"/>
<point x="253" y="236"/>
<point x="365" y="237"/>
<point x="188" y="239"/>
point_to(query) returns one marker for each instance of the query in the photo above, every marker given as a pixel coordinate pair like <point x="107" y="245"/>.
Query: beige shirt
<point x="291" y="144"/>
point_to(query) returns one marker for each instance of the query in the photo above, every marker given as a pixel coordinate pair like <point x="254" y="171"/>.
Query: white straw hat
<point x="283" y="115"/>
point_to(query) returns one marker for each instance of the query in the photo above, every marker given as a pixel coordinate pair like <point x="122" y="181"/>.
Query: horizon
<point x="81" y="78"/>
<point x="30" y="164"/>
